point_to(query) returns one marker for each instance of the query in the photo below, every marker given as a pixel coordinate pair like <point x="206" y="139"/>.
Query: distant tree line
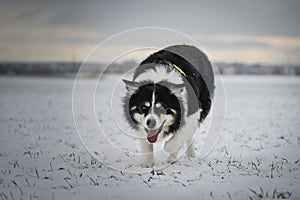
<point x="71" y="68"/>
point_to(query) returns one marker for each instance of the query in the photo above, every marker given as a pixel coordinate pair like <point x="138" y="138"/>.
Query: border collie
<point x="169" y="96"/>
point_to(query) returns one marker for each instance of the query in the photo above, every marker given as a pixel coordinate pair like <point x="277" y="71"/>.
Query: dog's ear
<point x="131" y="85"/>
<point x="177" y="88"/>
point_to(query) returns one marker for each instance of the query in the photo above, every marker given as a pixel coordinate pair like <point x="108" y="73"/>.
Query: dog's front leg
<point x="148" y="157"/>
<point x="172" y="146"/>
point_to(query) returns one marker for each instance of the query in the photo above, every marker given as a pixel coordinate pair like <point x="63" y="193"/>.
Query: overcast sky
<point x="230" y="31"/>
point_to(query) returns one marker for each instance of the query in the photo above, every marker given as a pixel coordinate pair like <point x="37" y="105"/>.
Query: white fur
<point x="184" y="136"/>
<point x="147" y="149"/>
<point x="160" y="73"/>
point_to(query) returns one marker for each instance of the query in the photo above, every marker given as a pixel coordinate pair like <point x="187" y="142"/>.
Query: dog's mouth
<point x="152" y="135"/>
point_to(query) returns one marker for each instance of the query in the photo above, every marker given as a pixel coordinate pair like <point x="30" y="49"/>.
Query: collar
<point x="176" y="67"/>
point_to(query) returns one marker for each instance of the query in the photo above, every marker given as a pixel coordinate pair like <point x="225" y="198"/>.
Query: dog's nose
<point x="151" y="123"/>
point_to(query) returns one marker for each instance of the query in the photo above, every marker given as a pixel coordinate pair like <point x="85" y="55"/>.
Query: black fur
<point x="198" y="81"/>
<point x="193" y="78"/>
<point x="163" y="95"/>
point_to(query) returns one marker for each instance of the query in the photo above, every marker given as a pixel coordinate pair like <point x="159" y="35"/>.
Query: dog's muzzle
<point x="152" y="134"/>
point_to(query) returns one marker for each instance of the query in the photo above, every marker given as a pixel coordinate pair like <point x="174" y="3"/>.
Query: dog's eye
<point x="143" y="108"/>
<point x="139" y="109"/>
<point x="170" y="111"/>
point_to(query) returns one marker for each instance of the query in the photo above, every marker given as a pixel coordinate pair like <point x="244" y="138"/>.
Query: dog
<point x="169" y="96"/>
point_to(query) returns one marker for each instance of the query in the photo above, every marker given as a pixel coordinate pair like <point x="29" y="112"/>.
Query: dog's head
<point x="153" y="108"/>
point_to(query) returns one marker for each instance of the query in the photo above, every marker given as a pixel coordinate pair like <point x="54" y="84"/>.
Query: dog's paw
<point x="146" y="164"/>
<point x="190" y="153"/>
<point x="171" y="160"/>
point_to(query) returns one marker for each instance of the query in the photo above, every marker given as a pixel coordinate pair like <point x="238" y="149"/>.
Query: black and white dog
<point x="170" y="94"/>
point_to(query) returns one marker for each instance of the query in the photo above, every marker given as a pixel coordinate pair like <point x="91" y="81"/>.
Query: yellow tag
<point x="176" y="67"/>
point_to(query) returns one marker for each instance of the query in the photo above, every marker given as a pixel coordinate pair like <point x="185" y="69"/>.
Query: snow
<point x="42" y="156"/>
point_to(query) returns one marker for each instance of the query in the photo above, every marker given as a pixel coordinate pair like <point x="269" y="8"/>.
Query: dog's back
<point x="196" y="69"/>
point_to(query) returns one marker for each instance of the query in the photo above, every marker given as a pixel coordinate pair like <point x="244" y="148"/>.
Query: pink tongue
<point x="152" y="135"/>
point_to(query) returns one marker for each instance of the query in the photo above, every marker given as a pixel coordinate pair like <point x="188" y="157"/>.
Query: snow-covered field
<point x="257" y="155"/>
